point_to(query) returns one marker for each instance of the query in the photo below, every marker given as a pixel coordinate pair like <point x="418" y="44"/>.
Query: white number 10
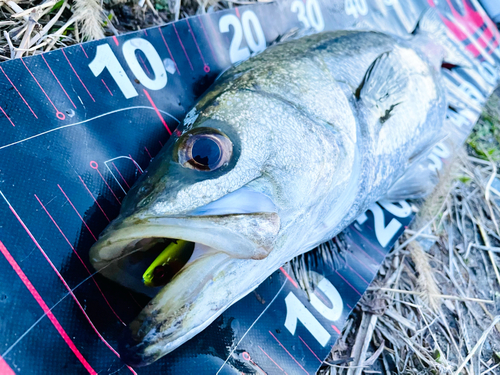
<point x="296" y="311"/>
<point x="106" y="59"/>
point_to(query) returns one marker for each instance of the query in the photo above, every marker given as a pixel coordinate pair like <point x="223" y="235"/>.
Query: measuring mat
<point x="79" y="125"/>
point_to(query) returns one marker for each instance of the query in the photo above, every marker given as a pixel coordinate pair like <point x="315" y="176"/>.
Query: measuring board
<point x="78" y="126"/>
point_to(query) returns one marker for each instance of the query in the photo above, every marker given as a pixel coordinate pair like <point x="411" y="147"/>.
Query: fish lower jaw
<point x="173" y="316"/>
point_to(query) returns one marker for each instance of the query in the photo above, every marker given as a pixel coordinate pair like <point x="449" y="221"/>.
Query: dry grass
<point x="434" y="307"/>
<point x="30" y="27"/>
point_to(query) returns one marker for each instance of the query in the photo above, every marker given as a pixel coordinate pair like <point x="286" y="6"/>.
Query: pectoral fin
<point x="420" y="177"/>
<point x="384" y="86"/>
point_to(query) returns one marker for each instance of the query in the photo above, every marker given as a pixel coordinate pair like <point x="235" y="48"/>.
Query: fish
<point x="282" y="153"/>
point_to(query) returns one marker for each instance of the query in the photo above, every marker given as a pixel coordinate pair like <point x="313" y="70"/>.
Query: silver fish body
<point x="281" y="154"/>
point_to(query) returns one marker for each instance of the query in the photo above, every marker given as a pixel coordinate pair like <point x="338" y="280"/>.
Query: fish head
<point x="241" y="183"/>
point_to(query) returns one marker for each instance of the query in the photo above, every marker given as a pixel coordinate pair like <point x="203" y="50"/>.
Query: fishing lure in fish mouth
<point x="168" y="263"/>
<point x="281" y="154"/>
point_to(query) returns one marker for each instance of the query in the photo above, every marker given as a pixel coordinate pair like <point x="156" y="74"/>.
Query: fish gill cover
<point x="80" y="124"/>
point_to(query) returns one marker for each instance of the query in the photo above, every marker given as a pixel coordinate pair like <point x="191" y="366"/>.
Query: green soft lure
<point x="168" y="263"/>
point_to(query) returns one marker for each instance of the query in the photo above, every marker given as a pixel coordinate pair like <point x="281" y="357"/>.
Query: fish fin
<point x="431" y="39"/>
<point x="295" y="33"/>
<point x="384" y="86"/>
<point x="418" y="179"/>
<point x="417" y="182"/>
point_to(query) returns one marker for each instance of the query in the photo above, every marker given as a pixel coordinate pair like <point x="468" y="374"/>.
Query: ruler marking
<point x="15" y="88"/>
<point x="8" y="118"/>
<point x="182" y="45"/>
<point x="77" y="76"/>
<point x="48" y="66"/>
<point x="168" y="49"/>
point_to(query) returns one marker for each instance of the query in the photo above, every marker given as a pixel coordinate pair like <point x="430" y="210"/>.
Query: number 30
<point x="310" y="14"/>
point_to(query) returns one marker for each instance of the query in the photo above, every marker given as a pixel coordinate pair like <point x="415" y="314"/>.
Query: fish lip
<point x="189" y="228"/>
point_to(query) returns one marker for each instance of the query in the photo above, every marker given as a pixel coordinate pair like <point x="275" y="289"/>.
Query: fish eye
<point x="204" y="149"/>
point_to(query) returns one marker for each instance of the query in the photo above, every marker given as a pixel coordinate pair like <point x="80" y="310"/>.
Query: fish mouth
<point x="186" y="257"/>
<point x="127" y="249"/>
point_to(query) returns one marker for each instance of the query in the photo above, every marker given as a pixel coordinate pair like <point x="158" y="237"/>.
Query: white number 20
<point x="296" y="311"/>
<point x="256" y="40"/>
<point x="105" y="58"/>
<point x="385" y="233"/>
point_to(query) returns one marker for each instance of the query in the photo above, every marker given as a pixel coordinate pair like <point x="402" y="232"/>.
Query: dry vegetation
<point x="32" y="26"/>
<point x="434" y="307"/>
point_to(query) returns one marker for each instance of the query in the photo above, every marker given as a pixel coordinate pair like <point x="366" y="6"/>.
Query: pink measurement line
<point x="121" y="175"/>
<point x="182" y="45"/>
<point x="289" y="277"/>
<point x="38" y="298"/>
<point x="38" y="83"/>
<point x="353" y="254"/>
<point x="272" y="360"/>
<point x="144" y="64"/>
<point x="116" y="40"/>
<point x="135" y="164"/>
<point x="48" y="66"/>
<point x="208" y="40"/>
<point x="109" y="187"/>
<point x="104" y="83"/>
<point x="310" y="350"/>
<point x="364" y="252"/>
<point x="370" y="243"/>
<point x="5" y="368"/>
<point x="237" y="11"/>
<point x="170" y="53"/>
<point x="74" y="208"/>
<point x="145" y="32"/>
<point x="320" y="296"/>
<point x="70" y="291"/>
<point x="79" y="258"/>
<point x="95" y="200"/>
<point x="157" y="112"/>
<point x="291" y="356"/>
<point x="77" y="76"/>
<point x="348" y="283"/>
<point x="195" y="42"/>
<point x="85" y="52"/>
<point x="350" y="308"/>
<point x="8" y="118"/>
<point x="148" y="152"/>
<point x="361" y="277"/>
<point x="15" y="88"/>
<point x="161" y="144"/>
<point x="133" y="299"/>
<point x="336" y="329"/>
